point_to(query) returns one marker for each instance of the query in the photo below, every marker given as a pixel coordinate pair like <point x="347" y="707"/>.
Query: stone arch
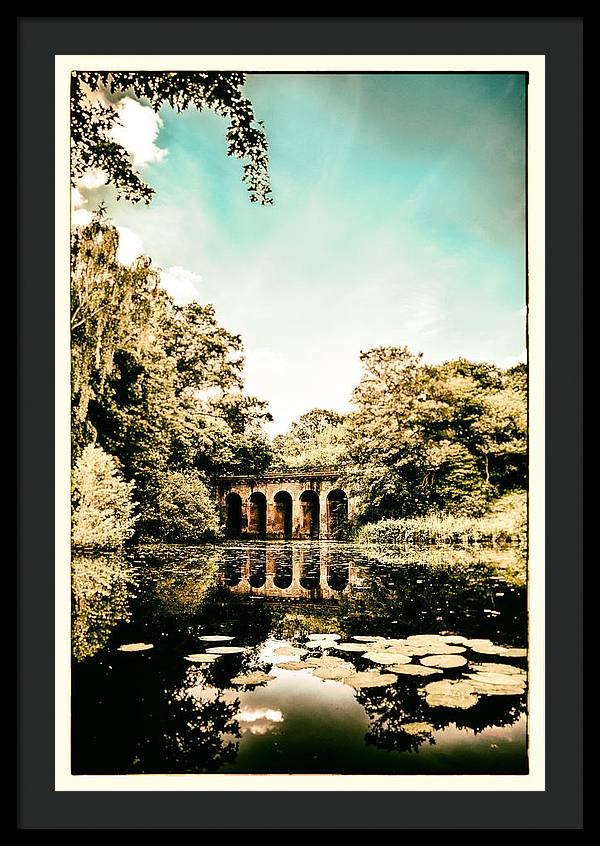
<point x="337" y="513"/>
<point x="257" y="514"/>
<point x="233" y="515"/>
<point x="309" y="515"/>
<point x="282" y="516"/>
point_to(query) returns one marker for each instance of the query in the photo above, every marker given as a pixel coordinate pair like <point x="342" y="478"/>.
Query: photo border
<point x="41" y="40"/>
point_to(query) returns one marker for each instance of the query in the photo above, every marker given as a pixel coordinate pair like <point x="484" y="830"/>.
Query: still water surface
<point x="155" y="711"/>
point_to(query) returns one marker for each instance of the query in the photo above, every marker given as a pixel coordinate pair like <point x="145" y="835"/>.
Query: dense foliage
<point x="448" y="437"/>
<point x="422" y="439"/>
<point x="93" y="116"/>
<point x="103" y="514"/>
<point x="317" y="441"/>
<point x="156" y="385"/>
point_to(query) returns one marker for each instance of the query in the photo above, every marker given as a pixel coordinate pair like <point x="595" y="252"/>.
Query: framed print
<point x="300" y="427"/>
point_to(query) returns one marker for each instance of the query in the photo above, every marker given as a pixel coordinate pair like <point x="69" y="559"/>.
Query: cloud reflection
<point x="259" y="720"/>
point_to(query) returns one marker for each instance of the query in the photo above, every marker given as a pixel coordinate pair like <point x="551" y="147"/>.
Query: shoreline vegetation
<point x="432" y="454"/>
<point x="504" y="523"/>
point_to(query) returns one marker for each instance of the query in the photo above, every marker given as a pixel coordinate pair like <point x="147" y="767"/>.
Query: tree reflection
<point x="407" y="595"/>
<point x="389" y="709"/>
<point x="100" y="587"/>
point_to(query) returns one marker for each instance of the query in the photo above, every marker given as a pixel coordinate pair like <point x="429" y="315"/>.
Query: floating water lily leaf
<point x="496" y="689"/>
<point x="487" y="650"/>
<point x="324" y="636"/>
<point x="256" y="677"/>
<point x="226" y="650"/>
<point x="371" y="678"/>
<point x="291" y="650"/>
<point x="295" y="665"/>
<point x="417" y="729"/>
<point x="368" y="638"/>
<point x="352" y="647"/>
<point x="444" y="661"/>
<point x="216" y="638"/>
<point x="387" y="657"/>
<point x="450" y="694"/>
<point x="201" y="658"/>
<point x="513" y="652"/>
<point x="425" y="639"/>
<point x="135" y="647"/>
<point x="408" y="649"/>
<point x="498" y="668"/>
<point x="327" y="661"/>
<point x="477" y="642"/>
<point x="413" y="670"/>
<point x="333" y="673"/>
<point x="456" y="639"/>
<point x="497" y="678"/>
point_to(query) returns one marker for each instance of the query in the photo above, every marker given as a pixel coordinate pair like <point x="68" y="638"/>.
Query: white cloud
<point x="183" y="285"/>
<point x="92" y="179"/>
<point x="512" y="360"/>
<point x="138" y="131"/>
<point x="130" y="246"/>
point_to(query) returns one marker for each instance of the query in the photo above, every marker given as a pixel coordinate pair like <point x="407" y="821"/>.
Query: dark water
<point x="152" y="711"/>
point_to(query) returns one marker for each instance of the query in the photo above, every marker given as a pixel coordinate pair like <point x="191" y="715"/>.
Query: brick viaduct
<point x="276" y="506"/>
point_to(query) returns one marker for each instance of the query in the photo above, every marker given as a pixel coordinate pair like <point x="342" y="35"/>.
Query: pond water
<point x="183" y="660"/>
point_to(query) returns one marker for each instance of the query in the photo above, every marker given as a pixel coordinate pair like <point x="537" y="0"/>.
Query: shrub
<point x="103" y="512"/>
<point x="180" y="508"/>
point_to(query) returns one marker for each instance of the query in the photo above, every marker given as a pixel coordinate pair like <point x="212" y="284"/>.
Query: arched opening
<point x="310" y="568"/>
<point x="257" y="516"/>
<point x="257" y="567"/>
<point x="282" y="517"/>
<point x="309" y="515"/>
<point x="283" y="568"/>
<point x="233" y="515"/>
<point x="337" y="514"/>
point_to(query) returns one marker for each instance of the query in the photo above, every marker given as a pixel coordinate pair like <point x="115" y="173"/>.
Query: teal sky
<point x="398" y="218"/>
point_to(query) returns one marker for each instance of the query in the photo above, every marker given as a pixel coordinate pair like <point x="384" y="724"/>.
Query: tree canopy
<point x="94" y="114"/>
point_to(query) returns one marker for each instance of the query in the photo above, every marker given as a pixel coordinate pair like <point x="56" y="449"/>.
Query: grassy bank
<point x="505" y="522"/>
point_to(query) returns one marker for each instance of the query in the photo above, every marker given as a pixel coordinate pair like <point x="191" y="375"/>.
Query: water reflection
<point x="154" y="711"/>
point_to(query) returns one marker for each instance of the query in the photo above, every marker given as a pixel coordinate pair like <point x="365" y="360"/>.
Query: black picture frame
<point x="40" y="39"/>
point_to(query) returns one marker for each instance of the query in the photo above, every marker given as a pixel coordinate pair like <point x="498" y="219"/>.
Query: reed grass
<point x="504" y="523"/>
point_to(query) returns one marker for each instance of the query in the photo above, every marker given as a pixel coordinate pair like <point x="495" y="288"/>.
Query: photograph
<point x="302" y="312"/>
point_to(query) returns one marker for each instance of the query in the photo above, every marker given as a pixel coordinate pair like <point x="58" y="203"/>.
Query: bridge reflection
<point x="288" y="571"/>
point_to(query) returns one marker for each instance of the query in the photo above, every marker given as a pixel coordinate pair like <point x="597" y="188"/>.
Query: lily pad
<point x="409" y="649"/>
<point x="135" y="647"/>
<point x="352" y="647"/>
<point x="450" y="694"/>
<point x="295" y="665"/>
<point x="324" y="636"/>
<point x="413" y="670"/>
<point x="513" y="652"/>
<point x="498" y="668"/>
<point x="417" y="729"/>
<point x="333" y="673"/>
<point x="425" y="639"/>
<point x="455" y="639"/>
<point x="327" y="661"/>
<point x="478" y="641"/>
<point x="444" y="661"/>
<point x="216" y="638"/>
<point x="371" y="678"/>
<point x="291" y="650"/>
<point x="201" y="658"/>
<point x="256" y="677"/>
<point x="387" y="658"/>
<point x="226" y="650"/>
<point x="497" y="678"/>
<point x="368" y="638"/>
<point x="486" y="689"/>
